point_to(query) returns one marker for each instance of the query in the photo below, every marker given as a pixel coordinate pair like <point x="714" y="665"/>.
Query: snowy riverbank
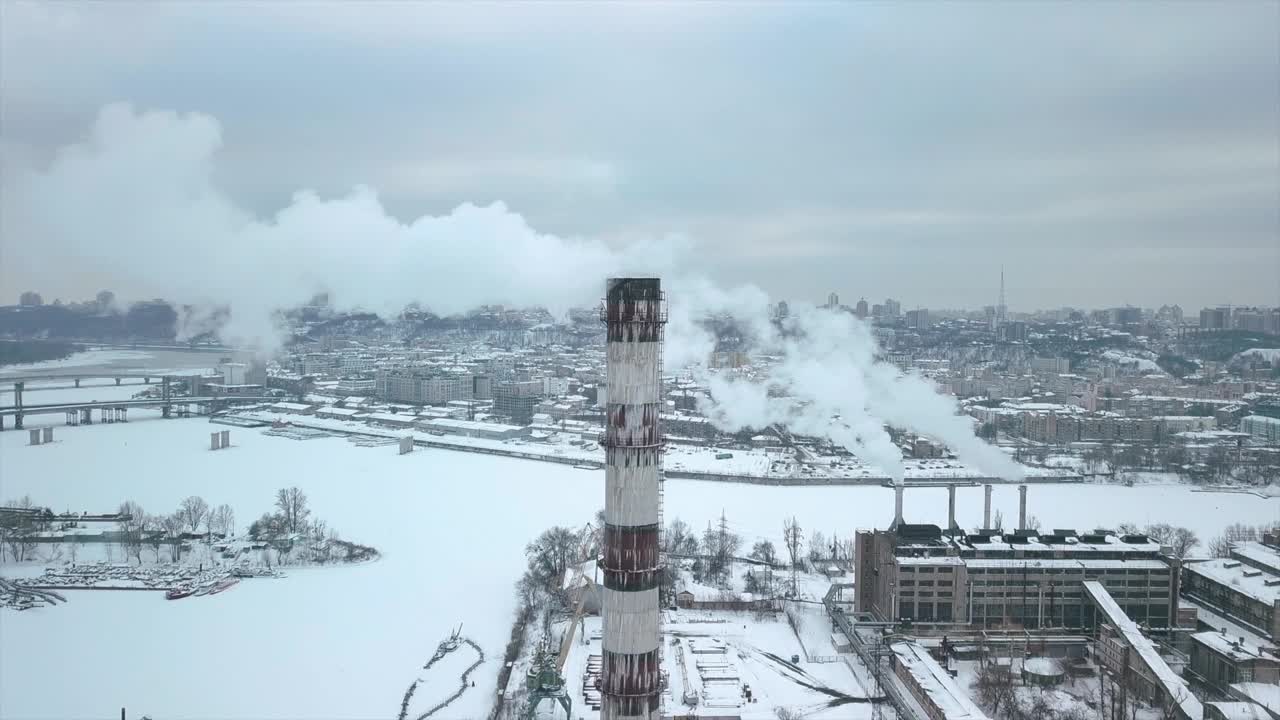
<point x="345" y="642"/>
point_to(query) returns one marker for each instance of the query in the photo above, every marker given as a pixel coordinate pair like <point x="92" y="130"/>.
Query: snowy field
<point x="345" y="642"/>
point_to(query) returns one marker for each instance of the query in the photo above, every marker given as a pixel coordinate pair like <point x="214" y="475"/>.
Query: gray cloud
<point x="1104" y="153"/>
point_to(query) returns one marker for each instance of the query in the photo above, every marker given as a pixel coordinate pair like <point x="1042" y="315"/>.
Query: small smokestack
<point x="986" y="507"/>
<point x="898" y="489"/>
<point x="1022" y="507"/>
<point x="951" y="507"/>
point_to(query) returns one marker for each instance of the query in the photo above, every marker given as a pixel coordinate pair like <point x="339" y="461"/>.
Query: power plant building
<point x="1024" y="579"/>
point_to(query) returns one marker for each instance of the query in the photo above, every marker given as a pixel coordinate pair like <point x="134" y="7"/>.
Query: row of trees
<point x="194" y="516"/>
<point x="290" y="525"/>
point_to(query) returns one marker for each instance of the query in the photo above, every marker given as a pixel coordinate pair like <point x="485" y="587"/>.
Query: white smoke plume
<point x="134" y="205"/>
<point x="826" y="381"/>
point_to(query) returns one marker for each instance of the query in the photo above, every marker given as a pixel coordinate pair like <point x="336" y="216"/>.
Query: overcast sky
<point x="1104" y="153"/>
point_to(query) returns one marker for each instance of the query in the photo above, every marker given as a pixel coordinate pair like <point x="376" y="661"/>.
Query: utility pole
<point x="724" y="546"/>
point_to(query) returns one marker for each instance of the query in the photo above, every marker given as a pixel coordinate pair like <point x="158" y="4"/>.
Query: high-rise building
<point x="30" y="298"/>
<point x="861" y="309"/>
<point x="1215" y="318"/>
<point x="781" y="310"/>
<point x="833" y="300"/>
<point x="892" y="308"/>
<point x="422" y="387"/>
<point x="918" y="318"/>
<point x="1251" y="319"/>
<point x="516" y="400"/>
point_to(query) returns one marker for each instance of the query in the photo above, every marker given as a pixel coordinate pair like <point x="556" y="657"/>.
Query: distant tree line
<point x="15" y="352"/>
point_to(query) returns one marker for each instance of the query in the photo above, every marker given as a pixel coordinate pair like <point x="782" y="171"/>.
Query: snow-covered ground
<point x="345" y="642"/>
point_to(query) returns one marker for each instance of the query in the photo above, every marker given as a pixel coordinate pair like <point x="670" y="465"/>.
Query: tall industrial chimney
<point x="951" y="507"/>
<point x="634" y="316"/>
<point x="898" y="490"/>
<point x="1022" y="507"/>
<point x="986" y="507"/>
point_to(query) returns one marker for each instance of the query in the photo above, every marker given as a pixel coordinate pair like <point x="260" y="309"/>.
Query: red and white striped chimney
<point x="634" y="316"/>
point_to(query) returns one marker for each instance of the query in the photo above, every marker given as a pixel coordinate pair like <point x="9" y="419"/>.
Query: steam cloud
<point x="135" y="205"/>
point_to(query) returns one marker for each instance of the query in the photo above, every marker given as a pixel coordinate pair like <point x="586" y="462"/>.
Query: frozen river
<point x="345" y="642"/>
<point x="108" y="360"/>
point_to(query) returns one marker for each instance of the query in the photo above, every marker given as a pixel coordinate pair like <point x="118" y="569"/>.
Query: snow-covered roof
<point x="1174" y="686"/>
<point x="1240" y="710"/>
<point x="336" y="411"/>
<point x="472" y="425"/>
<point x="290" y="407"/>
<point x="1241" y="578"/>
<point x="1255" y="553"/>
<point x="937" y="684"/>
<point x="1265" y="694"/>
<point x="1238" y="648"/>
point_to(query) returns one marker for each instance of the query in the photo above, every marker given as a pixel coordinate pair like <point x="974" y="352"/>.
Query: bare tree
<point x="1180" y="540"/>
<point x="995" y="688"/>
<point x="73" y="546"/>
<point x="817" y="546"/>
<point x="292" y="504"/>
<point x="130" y="523"/>
<point x="765" y="553"/>
<point x="679" y="539"/>
<point x="193" y="511"/>
<point x="154" y="528"/>
<point x="222" y="520"/>
<point x="997" y="522"/>
<point x="793" y="539"/>
<point x="173" y="525"/>
<point x="18" y="528"/>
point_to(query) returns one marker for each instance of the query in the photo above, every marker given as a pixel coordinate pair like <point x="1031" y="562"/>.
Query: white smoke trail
<point x="833" y="386"/>
<point x="135" y="206"/>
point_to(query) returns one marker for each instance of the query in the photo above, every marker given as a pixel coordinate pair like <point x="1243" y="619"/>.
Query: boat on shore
<point x="178" y="593"/>
<point x="225" y="583"/>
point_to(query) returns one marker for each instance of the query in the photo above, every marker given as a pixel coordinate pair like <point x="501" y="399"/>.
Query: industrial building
<point x="1219" y="660"/>
<point x="471" y="428"/>
<point x="1244" y="588"/>
<point x="931" y="686"/>
<point x="989" y="578"/>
